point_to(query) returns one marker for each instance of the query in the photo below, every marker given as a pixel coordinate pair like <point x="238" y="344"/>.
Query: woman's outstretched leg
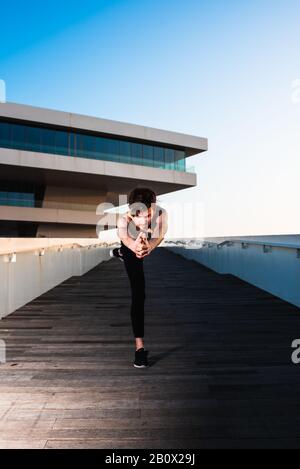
<point x="135" y="271"/>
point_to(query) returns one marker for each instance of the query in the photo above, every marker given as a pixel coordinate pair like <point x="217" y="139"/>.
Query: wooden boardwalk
<point x="220" y="353"/>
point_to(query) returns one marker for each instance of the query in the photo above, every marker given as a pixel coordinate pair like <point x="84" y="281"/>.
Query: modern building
<point x="57" y="167"/>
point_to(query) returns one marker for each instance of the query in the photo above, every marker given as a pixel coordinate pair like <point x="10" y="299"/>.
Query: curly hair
<point x="142" y="195"/>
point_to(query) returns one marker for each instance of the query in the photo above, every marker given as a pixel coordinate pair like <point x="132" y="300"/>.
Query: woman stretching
<point x="141" y="230"/>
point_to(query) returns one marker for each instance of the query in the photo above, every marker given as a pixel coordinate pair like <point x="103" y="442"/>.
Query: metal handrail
<point x="58" y="246"/>
<point x="246" y="241"/>
<point x="243" y="241"/>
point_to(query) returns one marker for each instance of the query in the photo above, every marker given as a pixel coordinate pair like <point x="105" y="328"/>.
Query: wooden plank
<point x="221" y="374"/>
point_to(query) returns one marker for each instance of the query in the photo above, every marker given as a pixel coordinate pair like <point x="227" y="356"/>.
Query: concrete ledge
<point x="55" y="215"/>
<point x="192" y="143"/>
<point x="10" y="245"/>
<point x="89" y="173"/>
<point x="27" y="275"/>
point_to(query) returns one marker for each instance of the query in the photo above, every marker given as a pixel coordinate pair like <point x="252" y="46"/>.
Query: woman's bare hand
<point x="142" y="246"/>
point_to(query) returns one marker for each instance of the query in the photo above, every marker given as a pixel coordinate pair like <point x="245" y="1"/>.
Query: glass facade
<point x="17" y="199"/>
<point x="71" y="142"/>
<point x="21" y="194"/>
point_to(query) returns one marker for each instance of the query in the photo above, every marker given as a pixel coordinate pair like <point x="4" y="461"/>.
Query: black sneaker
<point x="116" y="253"/>
<point x="141" y="360"/>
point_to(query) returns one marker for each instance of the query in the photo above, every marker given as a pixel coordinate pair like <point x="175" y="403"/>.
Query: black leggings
<point x="135" y="271"/>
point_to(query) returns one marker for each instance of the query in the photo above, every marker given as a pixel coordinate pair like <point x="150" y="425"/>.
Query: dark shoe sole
<point x="111" y="253"/>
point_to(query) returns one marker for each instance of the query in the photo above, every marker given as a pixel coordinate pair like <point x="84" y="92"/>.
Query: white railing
<point x="28" y="271"/>
<point x="271" y="263"/>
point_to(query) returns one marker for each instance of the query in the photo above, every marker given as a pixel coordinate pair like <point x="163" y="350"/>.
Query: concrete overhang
<point x="50" y="215"/>
<point x="190" y="143"/>
<point x="49" y="169"/>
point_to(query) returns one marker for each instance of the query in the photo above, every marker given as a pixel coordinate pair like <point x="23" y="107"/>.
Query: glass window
<point x="125" y="152"/>
<point x="5" y="135"/>
<point x="61" y="143"/>
<point x="17" y="199"/>
<point x="179" y="160"/>
<point x="18" y="136"/>
<point x="18" y="193"/>
<point x="3" y="198"/>
<point x="90" y="145"/>
<point x="80" y="145"/>
<point x="33" y="139"/>
<point x="181" y="165"/>
<point x="137" y="153"/>
<point x="85" y="146"/>
<point x="69" y="142"/>
<point x="113" y="150"/>
<point x="159" y="157"/>
<point x="148" y="155"/>
<point x="72" y="143"/>
<point x="47" y="141"/>
<point x="30" y="200"/>
<point x="21" y="199"/>
<point x="170" y="158"/>
<point x="101" y="148"/>
<point x="179" y="155"/>
<point x="13" y="198"/>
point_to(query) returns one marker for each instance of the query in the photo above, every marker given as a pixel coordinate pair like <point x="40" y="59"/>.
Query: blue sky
<point x="222" y="70"/>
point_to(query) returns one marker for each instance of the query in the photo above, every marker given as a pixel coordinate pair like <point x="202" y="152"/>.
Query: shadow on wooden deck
<point x="221" y="373"/>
